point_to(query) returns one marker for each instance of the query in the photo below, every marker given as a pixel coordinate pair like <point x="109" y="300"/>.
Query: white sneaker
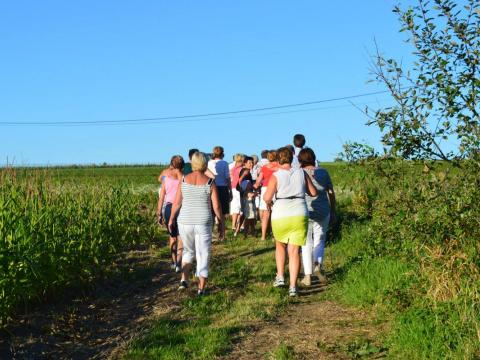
<point x="292" y="292"/>
<point x="279" y="282"/>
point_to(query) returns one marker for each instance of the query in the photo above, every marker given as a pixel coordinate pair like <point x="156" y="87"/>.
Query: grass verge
<point x="240" y="296"/>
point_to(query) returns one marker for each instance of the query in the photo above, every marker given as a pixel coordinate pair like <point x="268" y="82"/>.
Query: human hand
<point x="160" y="219"/>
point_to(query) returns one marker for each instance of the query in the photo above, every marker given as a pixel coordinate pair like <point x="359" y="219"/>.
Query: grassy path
<point x="139" y="314"/>
<point x="244" y="317"/>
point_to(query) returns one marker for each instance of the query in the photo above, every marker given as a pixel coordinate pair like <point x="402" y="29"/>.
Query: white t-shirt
<point x="220" y="169"/>
<point x="295" y="162"/>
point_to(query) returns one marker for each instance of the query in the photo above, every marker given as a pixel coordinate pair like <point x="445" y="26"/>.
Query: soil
<point x="101" y="323"/>
<point x="314" y="330"/>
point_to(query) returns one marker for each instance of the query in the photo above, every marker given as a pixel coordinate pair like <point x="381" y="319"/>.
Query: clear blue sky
<point x="111" y="60"/>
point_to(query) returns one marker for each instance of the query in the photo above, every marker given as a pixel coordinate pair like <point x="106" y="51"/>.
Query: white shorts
<point x="263" y="204"/>
<point x="235" y="204"/>
<point x="197" y="244"/>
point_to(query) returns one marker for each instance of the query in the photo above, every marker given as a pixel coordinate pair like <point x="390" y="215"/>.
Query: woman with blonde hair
<point x="236" y="204"/>
<point x="195" y="198"/>
<point x="289" y="215"/>
<point x="263" y="178"/>
<point x="167" y="194"/>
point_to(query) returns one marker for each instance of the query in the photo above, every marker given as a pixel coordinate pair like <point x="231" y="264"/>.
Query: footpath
<point x="104" y="322"/>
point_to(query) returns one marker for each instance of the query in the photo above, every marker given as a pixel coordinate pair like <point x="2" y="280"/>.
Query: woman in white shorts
<point x="263" y="178"/>
<point x="195" y="198"/>
<point x="236" y="204"/>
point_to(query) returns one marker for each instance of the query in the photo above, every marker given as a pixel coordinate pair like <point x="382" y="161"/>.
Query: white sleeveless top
<point x="196" y="204"/>
<point x="290" y="196"/>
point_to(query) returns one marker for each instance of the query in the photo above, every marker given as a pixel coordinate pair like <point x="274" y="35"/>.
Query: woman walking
<point x="263" y="179"/>
<point x="219" y="168"/>
<point x="171" y="180"/>
<point x="195" y="198"/>
<point x="321" y="211"/>
<point x="289" y="215"/>
<point x="236" y="204"/>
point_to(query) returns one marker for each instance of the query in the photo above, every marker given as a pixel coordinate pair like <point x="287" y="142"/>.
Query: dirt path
<point x="100" y="324"/>
<point x="313" y="329"/>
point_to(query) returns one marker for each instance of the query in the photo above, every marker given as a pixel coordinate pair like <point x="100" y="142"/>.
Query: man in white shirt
<point x="298" y="143"/>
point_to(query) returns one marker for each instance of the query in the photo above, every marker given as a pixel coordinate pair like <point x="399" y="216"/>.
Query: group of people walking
<point x="285" y="189"/>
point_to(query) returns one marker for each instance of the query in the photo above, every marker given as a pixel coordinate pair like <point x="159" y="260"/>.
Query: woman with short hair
<point x="236" y="204"/>
<point x="263" y="178"/>
<point x="167" y="194"/>
<point x="289" y="215"/>
<point x="219" y="168"/>
<point x="321" y="211"/>
<point x="195" y="198"/>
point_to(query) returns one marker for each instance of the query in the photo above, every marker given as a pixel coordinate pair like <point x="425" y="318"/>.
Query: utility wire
<point x="242" y="116"/>
<point x="192" y="117"/>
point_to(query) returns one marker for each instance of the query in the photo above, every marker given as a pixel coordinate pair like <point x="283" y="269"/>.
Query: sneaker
<point x="292" y="292"/>
<point x="307" y="280"/>
<point x="279" y="282"/>
<point x="201" y="292"/>
<point x="178" y="268"/>
<point x="172" y="266"/>
<point x="183" y="285"/>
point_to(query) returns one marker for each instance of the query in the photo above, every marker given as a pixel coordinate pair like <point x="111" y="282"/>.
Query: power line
<point x="252" y="115"/>
<point x="192" y="117"/>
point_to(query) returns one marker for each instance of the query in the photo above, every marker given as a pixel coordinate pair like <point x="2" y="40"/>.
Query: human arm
<point x="161" y="199"/>
<point x="310" y="189"/>
<point x="332" y="200"/>
<point x="217" y="207"/>
<point x="228" y="181"/>
<point x="270" y="192"/>
<point x="259" y="180"/>
<point x="175" y="207"/>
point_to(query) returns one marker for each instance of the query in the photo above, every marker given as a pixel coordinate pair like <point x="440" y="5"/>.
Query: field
<point x="403" y="270"/>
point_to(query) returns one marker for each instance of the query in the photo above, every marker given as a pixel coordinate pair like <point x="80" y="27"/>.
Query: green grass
<point x="391" y="287"/>
<point x="282" y="352"/>
<point x="240" y="296"/>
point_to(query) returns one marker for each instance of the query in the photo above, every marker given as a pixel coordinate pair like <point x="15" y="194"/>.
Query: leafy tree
<point x="355" y="152"/>
<point x="437" y="100"/>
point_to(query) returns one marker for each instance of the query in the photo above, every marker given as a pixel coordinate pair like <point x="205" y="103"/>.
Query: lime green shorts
<point x="291" y="230"/>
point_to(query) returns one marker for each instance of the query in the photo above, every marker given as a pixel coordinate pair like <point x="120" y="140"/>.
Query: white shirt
<point x="220" y="169"/>
<point x="295" y="162"/>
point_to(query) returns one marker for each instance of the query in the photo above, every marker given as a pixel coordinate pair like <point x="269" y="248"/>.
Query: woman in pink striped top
<point x="171" y="182"/>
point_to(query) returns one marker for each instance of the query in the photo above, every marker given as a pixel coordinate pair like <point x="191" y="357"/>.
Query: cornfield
<point x="57" y="234"/>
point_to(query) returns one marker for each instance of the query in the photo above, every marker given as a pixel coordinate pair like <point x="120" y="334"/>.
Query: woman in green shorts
<point x="289" y="215"/>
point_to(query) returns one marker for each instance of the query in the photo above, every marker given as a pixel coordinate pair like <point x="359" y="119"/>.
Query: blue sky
<point x="111" y="60"/>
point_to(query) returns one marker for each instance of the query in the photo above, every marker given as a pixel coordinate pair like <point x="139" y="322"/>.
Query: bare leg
<point x="265" y="218"/>
<point x="239" y="224"/>
<point x="173" y="249"/>
<point x="186" y="271"/>
<point x="234" y="221"/>
<point x="280" y="258"/>
<point x="293" y="263"/>
<point x="221" y="230"/>
<point x="201" y="282"/>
